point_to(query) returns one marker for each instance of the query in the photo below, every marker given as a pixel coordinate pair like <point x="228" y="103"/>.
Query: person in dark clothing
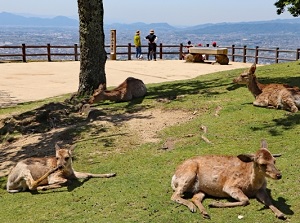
<point x="151" y="45"/>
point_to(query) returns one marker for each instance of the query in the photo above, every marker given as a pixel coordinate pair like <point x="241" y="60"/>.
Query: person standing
<point x="152" y="38"/>
<point x="138" y="45"/>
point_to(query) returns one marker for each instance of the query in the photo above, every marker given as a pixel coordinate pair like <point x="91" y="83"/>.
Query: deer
<point x="44" y="173"/>
<point x="239" y="177"/>
<point x="131" y="88"/>
<point x="270" y="95"/>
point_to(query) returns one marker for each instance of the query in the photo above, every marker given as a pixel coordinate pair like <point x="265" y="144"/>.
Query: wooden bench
<point x="196" y="54"/>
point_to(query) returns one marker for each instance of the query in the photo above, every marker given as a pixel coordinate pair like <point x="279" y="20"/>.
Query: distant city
<point x="284" y="34"/>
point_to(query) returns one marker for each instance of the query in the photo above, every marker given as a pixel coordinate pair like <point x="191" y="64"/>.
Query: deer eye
<point x="263" y="165"/>
<point x="67" y="158"/>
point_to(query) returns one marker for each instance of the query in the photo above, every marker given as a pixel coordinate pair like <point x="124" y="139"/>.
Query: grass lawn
<point x="141" y="190"/>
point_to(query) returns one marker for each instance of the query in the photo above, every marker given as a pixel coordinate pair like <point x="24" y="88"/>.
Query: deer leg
<point x="237" y="194"/>
<point x="183" y="183"/>
<point x="197" y="200"/>
<point x="261" y="101"/>
<point x="54" y="181"/>
<point x="80" y="175"/>
<point x="35" y="183"/>
<point x="263" y="197"/>
<point x="17" y="185"/>
<point x="51" y="186"/>
<point x="291" y="105"/>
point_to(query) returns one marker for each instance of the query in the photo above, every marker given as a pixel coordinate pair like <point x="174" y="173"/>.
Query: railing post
<point x="244" y="54"/>
<point x="277" y="55"/>
<point x="49" y="52"/>
<point x="180" y="51"/>
<point x="76" y="52"/>
<point x="256" y="54"/>
<point x="232" y="52"/>
<point x="23" y="52"/>
<point x="297" y="54"/>
<point x="129" y="51"/>
<point x="160" y="51"/>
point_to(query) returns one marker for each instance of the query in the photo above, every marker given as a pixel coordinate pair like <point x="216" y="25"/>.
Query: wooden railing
<point x="57" y="53"/>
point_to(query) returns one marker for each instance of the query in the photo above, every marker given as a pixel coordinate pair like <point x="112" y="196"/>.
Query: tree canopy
<point x="293" y="7"/>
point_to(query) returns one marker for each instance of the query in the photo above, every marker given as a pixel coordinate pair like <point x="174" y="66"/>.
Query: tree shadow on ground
<point x="287" y="122"/>
<point x="191" y="87"/>
<point x="52" y="123"/>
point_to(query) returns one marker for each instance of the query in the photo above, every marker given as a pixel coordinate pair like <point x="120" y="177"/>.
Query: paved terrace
<point x="24" y="82"/>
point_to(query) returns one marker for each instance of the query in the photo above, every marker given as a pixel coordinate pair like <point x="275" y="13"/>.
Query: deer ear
<point x="247" y="158"/>
<point x="72" y="148"/>
<point x="57" y="147"/>
<point x="264" y="144"/>
<point x="102" y="87"/>
<point x="253" y="68"/>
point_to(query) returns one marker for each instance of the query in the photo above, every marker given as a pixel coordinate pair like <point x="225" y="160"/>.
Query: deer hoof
<point x="206" y="216"/>
<point x="281" y="216"/>
<point x="111" y="175"/>
<point x="192" y="208"/>
<point x="294" y="109"/>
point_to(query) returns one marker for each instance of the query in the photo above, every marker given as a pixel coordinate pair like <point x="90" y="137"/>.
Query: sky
<point x="173" y="12"/>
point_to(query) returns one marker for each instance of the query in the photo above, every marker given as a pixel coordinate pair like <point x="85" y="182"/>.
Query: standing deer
<point x="131" y="88"/>
<point x="270" y="95"/>
<point x="220" y="176"/>
<point x="47" y="172"/>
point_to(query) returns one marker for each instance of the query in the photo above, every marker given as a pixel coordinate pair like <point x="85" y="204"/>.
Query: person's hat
<point x="137" y="32"/>
<point x="151" y="31"/>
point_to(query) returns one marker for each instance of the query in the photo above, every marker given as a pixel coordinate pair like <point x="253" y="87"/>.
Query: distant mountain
<point x="140" y="26"/>
<point x="278" y="25"/>
<point x="9" y="19"/>
<point x="250" y="27"/>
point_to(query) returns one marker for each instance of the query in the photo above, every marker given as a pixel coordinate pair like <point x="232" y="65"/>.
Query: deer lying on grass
<point x="46" y="173"/>
<point x="131" y="88"/>
<point x="270" y="95"/>
<point x="226" y="176"/>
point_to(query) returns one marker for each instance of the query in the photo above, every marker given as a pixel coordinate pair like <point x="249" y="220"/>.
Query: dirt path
<point x="23" y="82"/>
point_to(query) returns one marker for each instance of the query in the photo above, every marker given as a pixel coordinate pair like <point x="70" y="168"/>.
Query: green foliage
<point x="293" y="6"/>
<point x="141" y="190"/>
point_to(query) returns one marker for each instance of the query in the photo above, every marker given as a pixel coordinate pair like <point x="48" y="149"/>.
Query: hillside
<point x="280" y="25"/>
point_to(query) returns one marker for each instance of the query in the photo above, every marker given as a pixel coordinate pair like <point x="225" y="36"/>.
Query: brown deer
<point x="46" y="172"/>
<point x="270" y="95"/>
<point x="131" y="88"/>
<point x="220" y="176"/>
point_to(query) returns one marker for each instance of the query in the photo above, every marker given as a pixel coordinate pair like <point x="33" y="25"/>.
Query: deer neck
<point x="254" y="86"/>
<point x="257" y="177"/>
<point x="112" y="95"/>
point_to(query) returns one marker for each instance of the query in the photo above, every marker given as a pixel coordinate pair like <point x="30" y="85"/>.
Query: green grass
<point x="141" y="190"/>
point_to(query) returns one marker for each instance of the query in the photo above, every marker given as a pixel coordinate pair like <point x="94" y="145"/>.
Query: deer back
<point x="211" y="173"/>
<point x="126" y="91"/>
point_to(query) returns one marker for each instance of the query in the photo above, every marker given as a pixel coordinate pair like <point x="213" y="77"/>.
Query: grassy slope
<point x="141" y="191"/>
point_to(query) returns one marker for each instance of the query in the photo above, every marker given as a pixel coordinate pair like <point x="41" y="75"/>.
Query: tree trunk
<point x="92" y="50"/>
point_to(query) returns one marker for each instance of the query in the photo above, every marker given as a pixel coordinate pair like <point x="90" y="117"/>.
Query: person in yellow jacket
<point x="138" y="45"/>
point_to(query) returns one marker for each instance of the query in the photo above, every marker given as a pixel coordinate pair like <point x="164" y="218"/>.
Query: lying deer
<point x="47" y="172"/>
<point x="270" y="95"/>
<point x="131" y="88"/>
<point x="220" y="176"/>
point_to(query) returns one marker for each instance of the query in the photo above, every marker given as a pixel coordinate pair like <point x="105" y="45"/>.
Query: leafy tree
<point x="92" y="48"/>
<point x="293" y="6"/>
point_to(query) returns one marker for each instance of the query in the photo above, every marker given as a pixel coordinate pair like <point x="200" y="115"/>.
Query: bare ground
<point x="35" y="133"/>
